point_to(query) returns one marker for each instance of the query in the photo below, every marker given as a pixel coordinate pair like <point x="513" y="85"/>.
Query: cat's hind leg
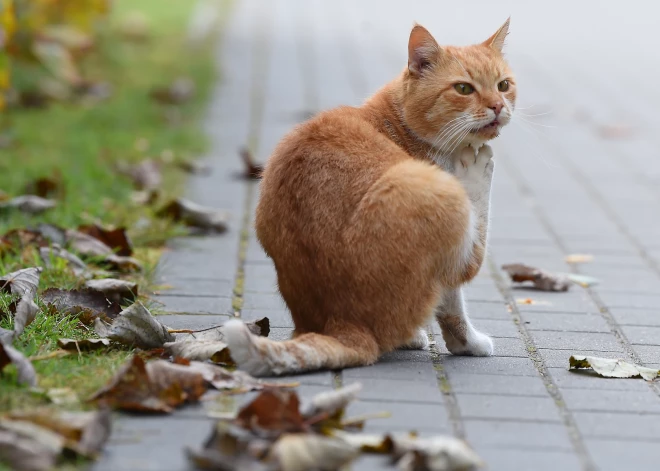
<point x="419" y="342"/>
<point x="461" y="338"/>
<point x="261" y="356"/>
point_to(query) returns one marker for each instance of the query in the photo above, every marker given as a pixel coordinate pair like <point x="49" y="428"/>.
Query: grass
<point x="82" y="144"/>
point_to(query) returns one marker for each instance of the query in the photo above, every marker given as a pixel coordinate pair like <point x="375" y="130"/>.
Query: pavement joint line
<point x="260" y="57"/>
<point x="450" y="402"/>
<point x="540" y="214"/>
<point x="565" y="414"/>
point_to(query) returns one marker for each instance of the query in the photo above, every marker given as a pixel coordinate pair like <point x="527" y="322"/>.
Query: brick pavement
<point x="559" y="188"/>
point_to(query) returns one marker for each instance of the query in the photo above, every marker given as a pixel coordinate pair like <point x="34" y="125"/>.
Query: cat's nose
<point x="497" y="107"/>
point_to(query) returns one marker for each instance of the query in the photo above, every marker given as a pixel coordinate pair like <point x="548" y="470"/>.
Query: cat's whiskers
<point x="449" y="136"/>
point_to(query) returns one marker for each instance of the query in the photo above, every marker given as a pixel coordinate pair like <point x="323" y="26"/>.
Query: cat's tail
<point x="261" y="356"/>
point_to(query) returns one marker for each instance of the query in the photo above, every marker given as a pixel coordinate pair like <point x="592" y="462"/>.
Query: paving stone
<point x="517" y="435"/>
<point x="485" y="292"/>
<point x="638" y="317"/>
<point x="508" y="366"/>
<point x="636" y="401"/>
<point x="272" y="302"/>
<point x="195" y="304"/>
<point x="195" y="286"/>
<point x="604" y="342"/>
<point x="277" y="318"/>
<point x="466" y="382"/>
<point x="630" y="300"/>
<point x="585" y="380"/>
<point x="193" y="321"/>
<point x="502" y="459"/>
<point x="559" y="358"/>
<point x="648" y="353"/>
<point x="565" y="322"/>
<point x="554" y="302"/>
<point x="406" y="371"/>
<point x="614" y="455"/>
<point x="280" y="333"/>
<point x="393" y="390"/>
<point x="618" y="425"/>
<point x="487" y="406"/>
<point x="404" y="416"/>
<point x="488" y="310"/>
<point x="643" y="335"/>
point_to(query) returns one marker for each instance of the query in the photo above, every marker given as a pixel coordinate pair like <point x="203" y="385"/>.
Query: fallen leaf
<point x="195" y="215"/>
<point x="208" y="344"/>
<point x="116" y="291"/>
<point x="439" y="453"/>
<point x="26" y="311"/>
<point x="272" y="413"/>
<point x="234" y="381"/>
<point x="21" y="282"/>
<point x="26" y="373"/>
<point x="83" y="345"/>
<point x="331" y="402"/>
<point x="28" y="447"/>
<point x="53" y="233"/>
<point x="45" y="187"/>
<point x="47" y="253"/>
<point x="180" y="91"/>
<point x="135" y="326"/>
<point x="121" y="264"/>
<point x="302" y="452"/>
<point x="20" y="239"/>
<point x="29" y="204"/>
<point x="612" y="368"/>
<point x="86" y="304"/>
<point x="157" y="386"/>
<point x="582" y="280"/>
<point x="145" y="176"/>
<point x="86" y="245"/>
<point x="116" y="239"/>
<point x="540" y="279"/>
<point x="578" y="258"/>
<point x="252" y="169"/>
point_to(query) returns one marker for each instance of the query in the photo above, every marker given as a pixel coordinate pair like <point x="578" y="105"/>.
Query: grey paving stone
<point x="639" y="317"/>
<point x="614" y="455"/>
<point x="642" y="401"/>
<point x="393" y="390"/>
<point x="618" y="425"/>
<point x="517" y="435"/>
<point x="559" y="358"/>
<point x="260" y="285"/>
<point x="604" y="342"/>
<point x="277" y="318"/>
<point x="193" y="321"/>
<point x="630" y="300"/>
<point x="485" y="292"/>
<point x="648" y="353"/>
<point x="565" y="322"/>
<point x="554" y="302"/>
<point x="642" y="335"/>
<point x="195" y="304"/>
<point x="406" y="371"/>
<point x="585" y="380"/>
<point x="195" y="286"/>
<point x="488" y="310"/>
<point x="500" y="459"/>
<point x="280" y="333"/>
<point x="182" y="265"/>
<point x="466" y="382"/>
<point x="487" y="406"/>
<point x="271" y="302"/>
<point x="510" y="366"/>
<point x="405" y="416"/>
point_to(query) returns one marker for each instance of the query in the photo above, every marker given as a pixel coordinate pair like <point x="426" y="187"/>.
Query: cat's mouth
<point x="489" y="129"/>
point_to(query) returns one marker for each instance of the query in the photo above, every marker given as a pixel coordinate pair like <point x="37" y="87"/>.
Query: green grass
<point x="82" y="144"/>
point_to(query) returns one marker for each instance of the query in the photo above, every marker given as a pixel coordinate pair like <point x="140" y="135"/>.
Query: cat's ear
<point x="423" y="50"/>
<point x="496" y="41"/>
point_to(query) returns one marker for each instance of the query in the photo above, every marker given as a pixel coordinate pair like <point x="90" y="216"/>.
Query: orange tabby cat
<point x="375" y="216"/>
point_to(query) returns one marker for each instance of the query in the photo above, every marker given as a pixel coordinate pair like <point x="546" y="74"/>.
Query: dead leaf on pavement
<point x="26" y="373"/>
<point x="21" y="281"/>
<point x="83" y="345"/>
<point x="195" y="215"/>
<point x="116" y="291"/>
<point x="612" y="368"/>
<point x="252" y="170"/>
<point x="331" y="402"/>
<point x="157" y="386"/>
<point x="540" y="279"/>
<point x="180" y="91"/>
<point x="116" y="239"/>
<point x="234" y="381"/>
<point x="208" y="344"/>
<point x="302" y="452"/>
<point x="146" y="175"/>
<point x="135" y="326"/>
<point x="28" y="204"/>
<point x="434" y="454"/>
<point x="86" y="304"/>
<point x="272" y="413"/>
<point x="578" y="258"/>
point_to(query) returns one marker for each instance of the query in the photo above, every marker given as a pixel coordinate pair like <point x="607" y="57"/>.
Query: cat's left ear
<point x="496" y="41"/>
<point x="423" y="50"/>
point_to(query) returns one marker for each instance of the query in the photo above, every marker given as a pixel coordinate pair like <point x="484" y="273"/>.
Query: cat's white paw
<point x="477" y="344"/>
<point x="475" y="167"/>
<point x="419" y="342"/>
<point x="244" y="350"/>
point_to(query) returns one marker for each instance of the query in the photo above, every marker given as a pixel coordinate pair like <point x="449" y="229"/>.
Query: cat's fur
<point x="369" y="235"/>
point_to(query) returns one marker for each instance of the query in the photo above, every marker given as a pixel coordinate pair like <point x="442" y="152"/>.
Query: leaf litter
<point x="195" y="216"/>
<point x="86" y="304"/>
<point x="274" y="432"/>
<point x="612" y="368"/>
<point x="28" y="204"/>
<point x="540" y="279"/>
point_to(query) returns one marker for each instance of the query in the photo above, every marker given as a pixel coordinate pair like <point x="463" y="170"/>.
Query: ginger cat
<point x="375" y="216"/>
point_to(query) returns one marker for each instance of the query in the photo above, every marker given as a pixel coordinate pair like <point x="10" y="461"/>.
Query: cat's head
<point x="454" y="96"/>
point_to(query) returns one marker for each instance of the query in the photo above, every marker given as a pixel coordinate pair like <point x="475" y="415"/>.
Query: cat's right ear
<point x="423" y="50"/>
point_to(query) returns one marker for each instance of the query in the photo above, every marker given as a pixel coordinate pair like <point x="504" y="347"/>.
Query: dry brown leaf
<point x="46" y="187"/>
<point x="26" y="312"/>
<point x="439" y="453"/>
<point x="180" y="91"/>
<point x="116" y="239"/>
<point x="26" y="373"/>
<point x="83" y="345"/>
<point x="28" y="204"/>
<point x="145" y="176"/>
<point x="540" y="279"/>
<point x="252" y="170"/>
<point x="272" y="413"/>
<point x="302" y="452"/>
<point x="21" y="282"/>
<point x="157" y="386"/>
<point x="28" y="447"/>
<point x="115" y="290"/>
<point x="195" y="215"/>
<point x="234" y="381"/>
<point x="86" y="245"/>
<point x="135" y="326"/>
<point x="87" y="304"/>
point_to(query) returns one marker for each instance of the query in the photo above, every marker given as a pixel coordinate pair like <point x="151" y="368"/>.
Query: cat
<point x="376" y="216"/>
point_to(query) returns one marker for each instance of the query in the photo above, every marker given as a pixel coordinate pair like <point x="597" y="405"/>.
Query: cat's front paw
<point x="477" y="344"/>
<point x="475" y="166"/>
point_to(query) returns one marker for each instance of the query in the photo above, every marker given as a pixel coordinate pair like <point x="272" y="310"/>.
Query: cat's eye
<point x="503" y="86"/>
<point x="464" y="88"/>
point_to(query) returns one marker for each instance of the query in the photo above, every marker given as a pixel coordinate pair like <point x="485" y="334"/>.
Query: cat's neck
<point x="383" y="111"/>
